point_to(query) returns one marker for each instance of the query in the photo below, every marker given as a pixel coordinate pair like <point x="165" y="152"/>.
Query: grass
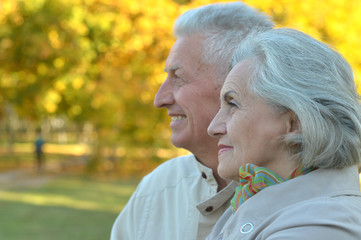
<point x="67" y="207"/>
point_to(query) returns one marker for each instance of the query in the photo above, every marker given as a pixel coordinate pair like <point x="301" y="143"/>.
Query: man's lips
<point x="176" y="118"/>
<point x="223" y="148"/>
<point x="177" y="121"/>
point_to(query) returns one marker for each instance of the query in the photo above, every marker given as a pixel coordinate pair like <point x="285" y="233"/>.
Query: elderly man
<point x="184" y="197"/>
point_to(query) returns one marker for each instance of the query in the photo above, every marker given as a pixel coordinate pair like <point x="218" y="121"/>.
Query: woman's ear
<point x="293" y="125"/>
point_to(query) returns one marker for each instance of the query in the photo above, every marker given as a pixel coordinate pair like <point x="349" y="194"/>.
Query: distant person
<point x="289" y="128"/>
<point x="183" y="198"/>
<point x="39" y="151"/>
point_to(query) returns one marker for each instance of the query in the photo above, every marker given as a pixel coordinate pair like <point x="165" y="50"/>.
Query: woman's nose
<point x="217" y="127"/>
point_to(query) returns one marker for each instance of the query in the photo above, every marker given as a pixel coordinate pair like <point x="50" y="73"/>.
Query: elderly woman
<point x="289" y="131"/>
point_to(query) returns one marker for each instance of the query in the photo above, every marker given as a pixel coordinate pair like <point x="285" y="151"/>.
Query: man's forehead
<point x="185" y="52"/>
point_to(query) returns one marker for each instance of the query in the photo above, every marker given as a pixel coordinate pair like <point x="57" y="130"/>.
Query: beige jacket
<point x="177" y="201"/>
<point x="324" y="204"/>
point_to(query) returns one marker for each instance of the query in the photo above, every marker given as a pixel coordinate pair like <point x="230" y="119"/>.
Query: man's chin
<point x="179" y="142"/>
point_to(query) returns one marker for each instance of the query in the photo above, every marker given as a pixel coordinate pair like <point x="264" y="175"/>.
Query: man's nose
<point x="164" y="96"/>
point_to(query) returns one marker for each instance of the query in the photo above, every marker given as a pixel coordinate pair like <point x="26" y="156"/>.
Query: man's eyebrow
<point x="172" y="68"/>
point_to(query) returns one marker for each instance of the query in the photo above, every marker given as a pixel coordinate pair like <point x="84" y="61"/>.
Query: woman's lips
<point x="223" y="148"/>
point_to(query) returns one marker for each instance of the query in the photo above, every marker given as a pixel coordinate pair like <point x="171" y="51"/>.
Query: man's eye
<point x="177" y="80"/>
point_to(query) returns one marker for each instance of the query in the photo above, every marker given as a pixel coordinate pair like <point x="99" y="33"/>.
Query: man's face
<point x="190" y="94"/>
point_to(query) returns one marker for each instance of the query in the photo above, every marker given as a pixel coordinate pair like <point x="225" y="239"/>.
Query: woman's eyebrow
<point x="226" y="94"/>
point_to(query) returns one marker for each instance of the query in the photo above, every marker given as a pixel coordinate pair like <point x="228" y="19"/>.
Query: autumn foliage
<point x="99" y="63"/>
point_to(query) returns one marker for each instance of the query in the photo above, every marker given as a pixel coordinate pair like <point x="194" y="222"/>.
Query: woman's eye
<point x="231" y="103"/>
<point x="229" y="100"/>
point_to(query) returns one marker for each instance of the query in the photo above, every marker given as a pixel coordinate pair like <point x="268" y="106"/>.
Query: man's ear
<point x="293" y="125"/>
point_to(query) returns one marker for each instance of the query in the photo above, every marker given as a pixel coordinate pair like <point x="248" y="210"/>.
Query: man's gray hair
<point x="294" y="72"/>
<point x="222" y="25"/>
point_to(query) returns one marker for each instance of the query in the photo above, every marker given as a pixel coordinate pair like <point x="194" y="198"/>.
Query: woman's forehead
<point x="238" y="78"/>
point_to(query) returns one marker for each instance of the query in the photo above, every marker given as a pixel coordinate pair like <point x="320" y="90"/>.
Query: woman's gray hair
<point x="222" y="25"/>
<point x="294" y="72"/>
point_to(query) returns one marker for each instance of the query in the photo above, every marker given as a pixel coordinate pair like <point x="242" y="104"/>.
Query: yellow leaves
<point x="6" y="43"/>
<point x="158" y="77"/>
<point x="133" y="6"/>
<point x="75" y="110"/>
<point x="54" y="39"/>
<point x="145" y="24"/>
<point x="357" y="16"/>
<point x="76" y="22"/>
<point x="60" y="85"/>
<point x="33" y="5"/>
<point x="106" y="20"/>
<point x="53" y="98"/>
<point x="59" y="63"/>
<point x="127" y="75"/>
<point x="31" y="78"/>
<point x="78" y="83"/>
<point x="75" y="83"/>
<point x="136" y="44"/>
<point x="51" y="101"/>
<point x="7" y="6"/>
<point x="97" y="101"/>
<point x="124" y="25"/>
<point x="42" y="69"/>
<point x="17" y="19"/>
<point x="10" y="8"/>
<point x="146" y="97"/>
<point x="90" y="87"/>
<point x="16" y="79"/>
<point x="139" y="25"/>
<point x="6" y="81"/>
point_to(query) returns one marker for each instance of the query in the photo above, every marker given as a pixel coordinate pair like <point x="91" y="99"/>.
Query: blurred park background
<point x="85" y="72"/>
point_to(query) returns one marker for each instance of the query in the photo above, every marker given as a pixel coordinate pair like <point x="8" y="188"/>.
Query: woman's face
<point x="249" y="130"/>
